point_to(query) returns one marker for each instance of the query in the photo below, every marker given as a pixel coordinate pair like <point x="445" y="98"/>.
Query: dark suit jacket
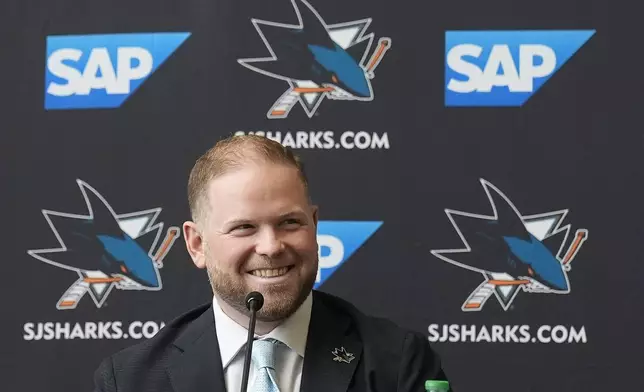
<point x="184" y="355"/>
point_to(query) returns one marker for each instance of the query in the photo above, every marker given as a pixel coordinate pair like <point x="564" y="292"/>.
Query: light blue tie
<point x="264" y="360"/>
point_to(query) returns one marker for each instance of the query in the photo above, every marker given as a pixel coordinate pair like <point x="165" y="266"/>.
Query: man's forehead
<point x="243" y="191"/>
<point x="256" y="177"/>
<point x="248" y="211"/>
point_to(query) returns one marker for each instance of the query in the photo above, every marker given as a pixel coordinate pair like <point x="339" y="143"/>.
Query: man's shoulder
<point x="158" y="347"/>
<point x="399" y="358"/>
<point x="369" y="326"/>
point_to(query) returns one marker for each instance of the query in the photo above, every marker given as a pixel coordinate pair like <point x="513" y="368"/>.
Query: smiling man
<point x="253" y="228"/>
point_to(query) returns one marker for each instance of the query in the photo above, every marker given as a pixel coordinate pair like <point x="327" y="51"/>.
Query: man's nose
<point x="269" y="243"/>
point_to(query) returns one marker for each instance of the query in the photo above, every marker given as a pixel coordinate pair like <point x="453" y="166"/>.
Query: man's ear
<point x="194" y="243"/>
<point x="314" y="211"/>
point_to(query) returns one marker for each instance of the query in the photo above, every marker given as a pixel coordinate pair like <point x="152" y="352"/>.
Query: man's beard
<point x="279" y="303"/>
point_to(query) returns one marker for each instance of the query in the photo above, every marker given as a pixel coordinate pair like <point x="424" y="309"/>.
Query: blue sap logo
<point x="337" y="241"/>
<point x="504" y="68"/>
<point x="101" y="71"/>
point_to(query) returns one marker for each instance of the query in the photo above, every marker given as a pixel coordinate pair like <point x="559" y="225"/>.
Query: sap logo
<point x="337" y="241"/>
<point x="504" y="68"/>
<point x="101" y="71"/>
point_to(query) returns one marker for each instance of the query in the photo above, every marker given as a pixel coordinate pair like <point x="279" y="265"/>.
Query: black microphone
<point x="254" y="302"/>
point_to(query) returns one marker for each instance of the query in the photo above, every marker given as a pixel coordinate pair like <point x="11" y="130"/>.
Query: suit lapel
<point x="195" y="365"/>
<point x="329" y="331"/>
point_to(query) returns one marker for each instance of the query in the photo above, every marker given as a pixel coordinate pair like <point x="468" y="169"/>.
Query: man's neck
<point x="261" y="327"/>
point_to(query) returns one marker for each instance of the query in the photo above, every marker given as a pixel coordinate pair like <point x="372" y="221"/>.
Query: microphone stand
<point x="254" y="302"/>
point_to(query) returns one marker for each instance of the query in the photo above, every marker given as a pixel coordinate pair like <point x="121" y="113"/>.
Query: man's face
<point x="260" y="235"/>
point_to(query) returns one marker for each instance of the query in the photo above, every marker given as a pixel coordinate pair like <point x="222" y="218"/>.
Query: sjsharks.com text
<point x="325" y="140"/>
<point x="559" y="334"/>
<point x="91" y="330"/>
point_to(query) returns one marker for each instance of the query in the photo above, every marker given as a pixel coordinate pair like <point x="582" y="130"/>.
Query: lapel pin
<point x="342" y="355"/>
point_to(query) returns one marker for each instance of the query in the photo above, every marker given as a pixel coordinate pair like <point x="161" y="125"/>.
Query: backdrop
<point x="478" y="166"/>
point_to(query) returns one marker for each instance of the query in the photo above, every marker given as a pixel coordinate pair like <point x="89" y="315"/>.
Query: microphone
<point x="254" y="302"/>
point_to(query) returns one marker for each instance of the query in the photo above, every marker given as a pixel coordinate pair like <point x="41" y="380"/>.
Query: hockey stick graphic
<point x="287" y="101"/>
<point x="477" y="299"/>
<point x="78" y="289"/>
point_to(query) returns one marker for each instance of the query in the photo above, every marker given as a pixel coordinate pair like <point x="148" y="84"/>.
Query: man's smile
<point x="271" y="272"/>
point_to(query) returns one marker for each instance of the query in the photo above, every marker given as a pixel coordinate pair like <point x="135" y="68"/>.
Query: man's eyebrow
<point x="291" y="213"/>
<point x="240" y="221"/>
<point x="236" y="222"/>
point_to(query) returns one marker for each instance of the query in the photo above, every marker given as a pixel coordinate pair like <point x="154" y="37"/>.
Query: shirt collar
<point x="292" y="332"/>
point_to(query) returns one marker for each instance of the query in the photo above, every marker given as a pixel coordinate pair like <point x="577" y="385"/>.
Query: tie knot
<point x="264" y="353"/>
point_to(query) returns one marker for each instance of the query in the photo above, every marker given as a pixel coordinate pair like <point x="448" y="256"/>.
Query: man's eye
<point x="291" y="222"/>
<point x="243" y="227"/>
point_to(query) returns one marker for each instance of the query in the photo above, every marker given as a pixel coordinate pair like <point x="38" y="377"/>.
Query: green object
<point x="436" y="386"/>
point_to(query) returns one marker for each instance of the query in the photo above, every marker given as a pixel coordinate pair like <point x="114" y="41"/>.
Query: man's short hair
<point x="231" y="153"/>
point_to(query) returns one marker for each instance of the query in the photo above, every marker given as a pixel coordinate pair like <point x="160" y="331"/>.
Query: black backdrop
<point x="575" y="145"/>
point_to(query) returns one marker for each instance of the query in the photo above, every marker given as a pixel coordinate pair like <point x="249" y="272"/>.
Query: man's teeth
<point x="270" y="273"/>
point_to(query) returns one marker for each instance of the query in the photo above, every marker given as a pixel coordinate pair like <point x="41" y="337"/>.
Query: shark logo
<point x="342" y="355"/>
<point x="513" y="252"/>
<point x="317" y="60"/>
<point x="106" y="250"/>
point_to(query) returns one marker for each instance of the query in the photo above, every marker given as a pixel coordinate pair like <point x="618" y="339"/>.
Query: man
<point x="254" y="229"/>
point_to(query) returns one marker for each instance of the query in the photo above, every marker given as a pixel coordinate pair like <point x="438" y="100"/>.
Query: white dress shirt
<point x="289" y="359"/>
